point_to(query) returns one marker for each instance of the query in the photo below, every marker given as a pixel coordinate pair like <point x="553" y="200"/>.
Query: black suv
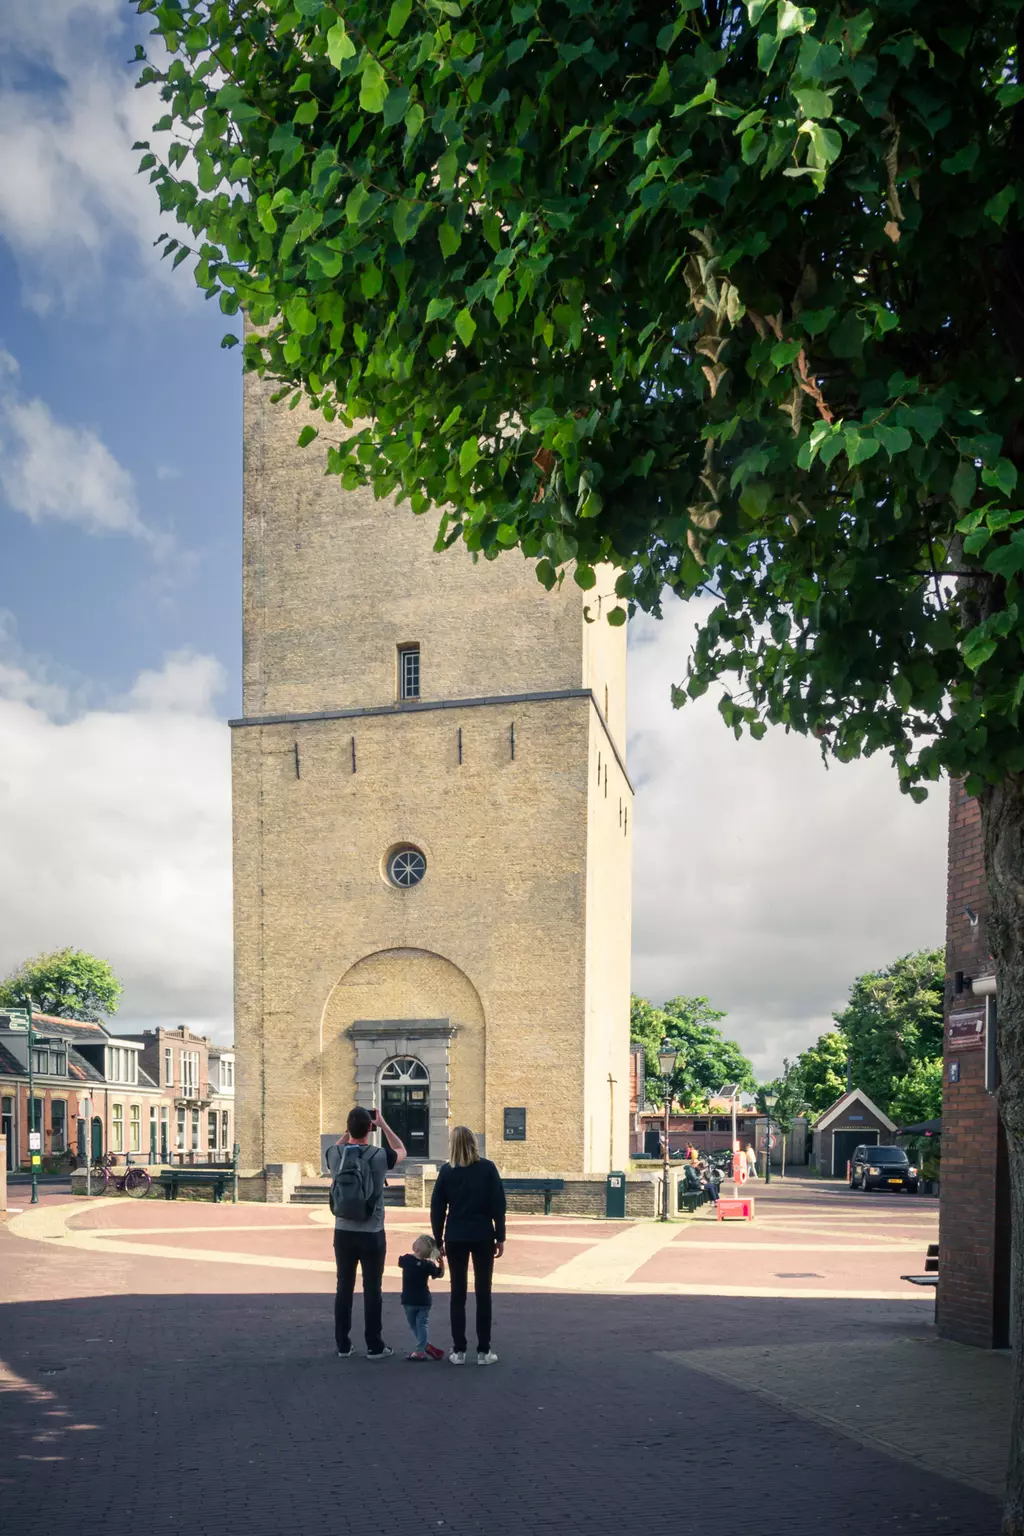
<point x="883" y="1168"/>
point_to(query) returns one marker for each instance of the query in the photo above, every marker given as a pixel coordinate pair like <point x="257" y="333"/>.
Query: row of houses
<point x="162" y="1095"/>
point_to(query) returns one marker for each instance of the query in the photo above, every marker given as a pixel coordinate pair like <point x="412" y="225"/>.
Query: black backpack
<point x="352" y="1194"/>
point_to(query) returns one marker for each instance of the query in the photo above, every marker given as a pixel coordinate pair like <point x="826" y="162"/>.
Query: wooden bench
<point x="545" y="1187"/>
<point x="173" y="1179"/>
<point x="931" y="1264"/>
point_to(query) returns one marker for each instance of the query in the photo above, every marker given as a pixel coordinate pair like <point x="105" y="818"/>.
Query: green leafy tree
<point x="706" y="1058"/>
<point x="918" y="1095"/>
<point x="69" y="983"/>
<point x="822" y="1070"/>
<point x="725" y="295"/>
<point x="790" y="1102"/>
<point x="893" y="1022"/>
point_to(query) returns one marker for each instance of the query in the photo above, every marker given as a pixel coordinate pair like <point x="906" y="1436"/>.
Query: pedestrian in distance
<point x="751" y="1157"/>
<point x="418" y="1269"/>
<point x="467" y="1217"/>
<point x="358" y="1174"/>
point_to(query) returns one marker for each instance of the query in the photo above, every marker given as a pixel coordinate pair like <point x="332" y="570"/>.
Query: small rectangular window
<point x="135" y="1126"/>
<point x="168" y="1067"/>
<point x="117" y="1129"/>
<point x="211" y="1131"/>
<point x="224" y="1128"/>
<point x="58" y="1125"/>
<point x="179" y="1131"/>
<point x="408" y="671"/>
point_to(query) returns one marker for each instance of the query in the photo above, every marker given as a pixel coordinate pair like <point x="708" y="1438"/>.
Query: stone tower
<point x="432" y="834"/>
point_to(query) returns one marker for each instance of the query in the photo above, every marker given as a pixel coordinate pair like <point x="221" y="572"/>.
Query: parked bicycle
<point x="134" y="1181"/>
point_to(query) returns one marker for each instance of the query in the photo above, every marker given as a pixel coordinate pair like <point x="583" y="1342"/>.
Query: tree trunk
<point x="1002" y="821"/>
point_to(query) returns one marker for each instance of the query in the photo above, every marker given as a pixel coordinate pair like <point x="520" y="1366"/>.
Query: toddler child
<point x="418" y="1268"/>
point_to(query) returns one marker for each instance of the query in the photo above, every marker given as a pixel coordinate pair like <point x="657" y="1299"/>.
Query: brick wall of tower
<point x="974" y="1219"/>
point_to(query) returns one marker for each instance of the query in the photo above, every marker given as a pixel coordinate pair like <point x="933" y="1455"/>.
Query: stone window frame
<point x="378" y="1041"/>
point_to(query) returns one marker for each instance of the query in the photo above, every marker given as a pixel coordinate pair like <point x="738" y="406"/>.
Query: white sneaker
<point x="457" y="1357"/>
<point x="490" y="1358"/>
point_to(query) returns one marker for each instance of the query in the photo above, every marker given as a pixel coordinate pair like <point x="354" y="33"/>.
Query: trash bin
<point x="615" y="1195"/>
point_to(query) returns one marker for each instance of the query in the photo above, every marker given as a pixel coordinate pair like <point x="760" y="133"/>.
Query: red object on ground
<point x="741" y="1208"/>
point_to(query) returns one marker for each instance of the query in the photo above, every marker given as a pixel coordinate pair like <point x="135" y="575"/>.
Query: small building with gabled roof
<point x="852" y="1121"/>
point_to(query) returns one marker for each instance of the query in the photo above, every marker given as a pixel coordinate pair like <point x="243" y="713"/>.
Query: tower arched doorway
<point x="404" y="1089"/>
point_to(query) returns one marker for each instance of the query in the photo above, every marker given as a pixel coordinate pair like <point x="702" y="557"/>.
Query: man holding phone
<point x="362" y="1244"/>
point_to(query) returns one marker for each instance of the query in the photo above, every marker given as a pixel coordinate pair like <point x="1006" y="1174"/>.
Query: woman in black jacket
<point x="467" y="1214"/>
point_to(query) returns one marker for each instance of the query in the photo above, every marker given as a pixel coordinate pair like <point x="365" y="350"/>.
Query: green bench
<point x="545" y="1187"/>
<point x="217" y="1179"/>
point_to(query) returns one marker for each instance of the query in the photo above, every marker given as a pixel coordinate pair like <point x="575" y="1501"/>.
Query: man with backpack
<point x="358" y="1172"/>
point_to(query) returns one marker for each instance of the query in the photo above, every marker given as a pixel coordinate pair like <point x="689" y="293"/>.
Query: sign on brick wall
<point x="966" y="1031"/>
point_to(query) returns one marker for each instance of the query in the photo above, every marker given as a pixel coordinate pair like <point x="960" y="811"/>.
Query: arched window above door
<point x="404" y="1069"/>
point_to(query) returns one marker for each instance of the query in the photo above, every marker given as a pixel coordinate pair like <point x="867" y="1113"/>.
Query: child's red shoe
<point x="415" y="1355"/>
<point x="434" y="1352"/>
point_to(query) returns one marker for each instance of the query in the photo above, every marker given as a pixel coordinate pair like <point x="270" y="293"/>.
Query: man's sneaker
<point x="434" y="1352"/>
<point x="457" y="1357"/>
<point x="486" y="1357"/>
<point x="379" y="1354"/>
<point x="346" y="1354"/>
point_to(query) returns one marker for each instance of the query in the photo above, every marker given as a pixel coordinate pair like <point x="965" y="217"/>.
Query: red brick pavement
<point x="206" y="1398"/>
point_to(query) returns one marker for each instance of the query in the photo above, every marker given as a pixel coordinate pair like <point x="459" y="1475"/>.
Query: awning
<point x="923" y="1128"/>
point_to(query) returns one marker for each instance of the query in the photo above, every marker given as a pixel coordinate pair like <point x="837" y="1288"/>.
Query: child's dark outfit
<point x="416" y="1296"/>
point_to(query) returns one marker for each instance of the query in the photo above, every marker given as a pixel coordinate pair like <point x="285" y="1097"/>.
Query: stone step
<point x="319" y="1193"/>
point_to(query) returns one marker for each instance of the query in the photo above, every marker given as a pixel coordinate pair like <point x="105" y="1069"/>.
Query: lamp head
<point x="769" y="1100"/>
<point x="667" y="1058"/>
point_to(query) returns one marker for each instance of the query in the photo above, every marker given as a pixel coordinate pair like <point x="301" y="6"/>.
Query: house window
<point x="189" y="1073"/>
<point x="152" y="1132"/>
<point x="408" y="671"/>
<point x="164" y="1135"/>
<point x="195" y="1130"/>
<point x="59" y="1125"/>
<point x="135" y="1127"/>
<point x="225" y="1143"/>
<point x="37" y="1115"/>
<point x="179" y="1133"/>
<point x="227" y="1074"/>
<point x="211" y="1131"/>
<point x="169" y="1067"/>
<point x="117" y="1129"/>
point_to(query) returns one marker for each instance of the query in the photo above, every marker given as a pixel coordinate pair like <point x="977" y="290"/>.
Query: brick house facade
<point x="973" y="1305"/>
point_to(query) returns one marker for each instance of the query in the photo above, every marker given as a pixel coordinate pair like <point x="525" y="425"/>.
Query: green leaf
<point x="449" y="239"/>
<point x="414" y="120"/>
<point x="469" y="454"/>
<point x="398" y="16"/>
<point x="1002" y="475"/>
<point x="616" y="617"/>
<point x="371" y="282"/>
<point x="894" y="439"/>
<point x="373" y="91"/>
<point x="448" y="169"/>
<point x="858" y="447"/>
<point x="307" y="435"/>
<point x="396" y="106"/>
<point x="339" y="44"/>
<point x="999" y="206"/>
<point x="965" y="483"/>
<point x="465" y="326"/>
<point x="963" y="160"/>
<point x="306" y="112"/>
<point x="438" y="308"/>
<point x="793" y="19"/>
<point x="925" y="420"/>
<point x="813" y="103"/>
<point x="1007" y="560"/>
<point x="503" y="306"/>
<point x="978" y="648"/>
<point x="585" y="576"/>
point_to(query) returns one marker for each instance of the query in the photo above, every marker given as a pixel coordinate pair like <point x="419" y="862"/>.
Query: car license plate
<point x="895" y="1181"/>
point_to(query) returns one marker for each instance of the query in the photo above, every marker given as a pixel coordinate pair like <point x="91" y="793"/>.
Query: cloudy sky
<point x="761" y="879"/>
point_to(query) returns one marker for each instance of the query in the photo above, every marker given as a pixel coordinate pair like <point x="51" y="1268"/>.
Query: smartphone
<point x="373" y="1117"/>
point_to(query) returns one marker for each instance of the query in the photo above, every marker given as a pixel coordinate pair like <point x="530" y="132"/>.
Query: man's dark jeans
<point x="459" y="1255"/>
<point x="363" y="1250"/>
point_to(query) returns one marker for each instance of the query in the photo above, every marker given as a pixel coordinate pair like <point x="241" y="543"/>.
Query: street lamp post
<point x="769" y="1105"/>
<point x="667" y="1058"/>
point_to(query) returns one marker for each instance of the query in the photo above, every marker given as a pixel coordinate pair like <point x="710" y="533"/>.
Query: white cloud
<point x="69" y="114"/>
<point x="761" y="879"/>
<point x="49" y="469"/>
<point x="117" y="838"/>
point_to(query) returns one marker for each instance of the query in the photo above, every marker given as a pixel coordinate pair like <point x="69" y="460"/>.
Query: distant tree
<point x="893" y="1022"/>
<point x="822" y="1070"/>
<point x="789" y="1104"/>
<point x="918" y="1096"/>
<point x="707" y="1058"/>
<point x="69" y="983"/>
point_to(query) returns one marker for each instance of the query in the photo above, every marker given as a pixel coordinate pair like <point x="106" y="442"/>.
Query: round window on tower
<point x="405" y="866"/>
